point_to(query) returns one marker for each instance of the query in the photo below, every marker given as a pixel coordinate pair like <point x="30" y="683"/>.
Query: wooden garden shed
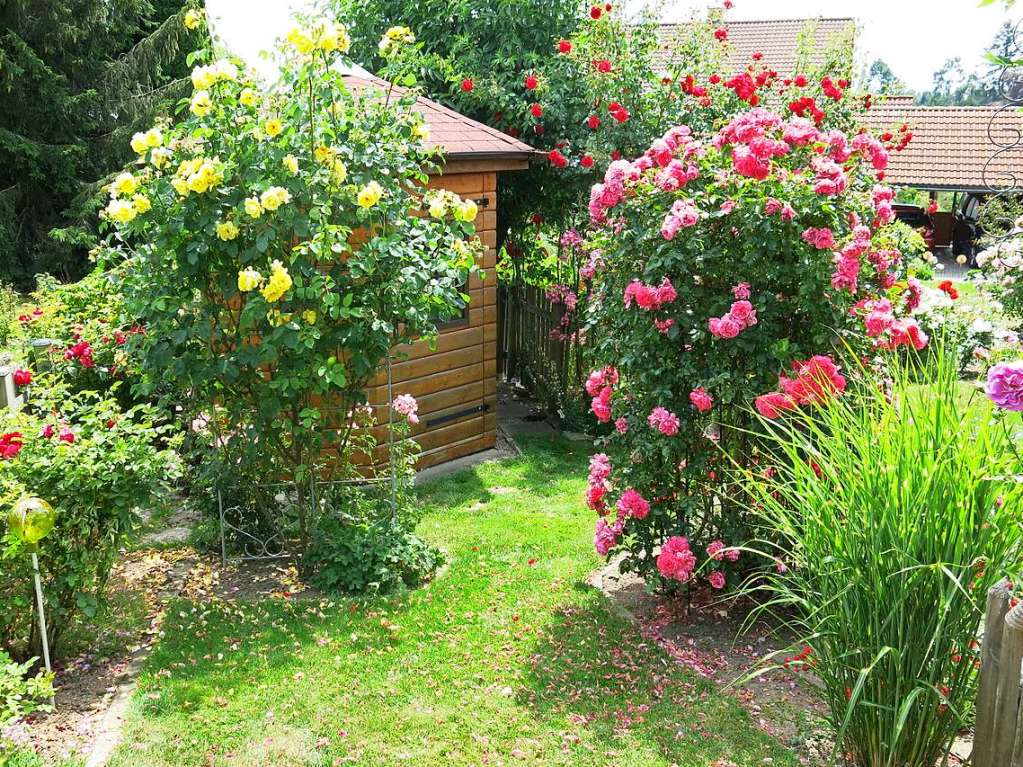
<point x="455" y="382"/>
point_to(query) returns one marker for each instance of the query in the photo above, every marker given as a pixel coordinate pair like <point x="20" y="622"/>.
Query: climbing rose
<point x="406" y="405"/>
<point x="773" y="404"/>
<point x="701" y="400"/>
<point x="606" y="536"/>
<point x="633" y="504"/>
<point x="822" y="239"/>
<point x="1005" y="385"/>
<point x="676" y="561"/>
<point x="664" y="421"/>
<point x="816" y="380"/>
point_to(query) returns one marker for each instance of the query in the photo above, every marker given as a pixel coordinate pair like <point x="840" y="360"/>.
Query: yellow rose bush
<point x="283" y="249"/>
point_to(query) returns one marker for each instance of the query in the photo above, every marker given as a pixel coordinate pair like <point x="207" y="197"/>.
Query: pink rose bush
<point x="733" y="266"/>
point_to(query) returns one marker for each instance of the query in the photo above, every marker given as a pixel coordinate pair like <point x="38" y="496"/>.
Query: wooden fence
<point x="526" y="319"/>
<point x="998" y="734"/>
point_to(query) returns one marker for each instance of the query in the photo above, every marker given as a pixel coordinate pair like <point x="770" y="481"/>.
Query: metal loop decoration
<point x="1000" y="173"/>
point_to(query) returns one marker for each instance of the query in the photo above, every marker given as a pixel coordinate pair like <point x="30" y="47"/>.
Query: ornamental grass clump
<point x="890" y="511"/>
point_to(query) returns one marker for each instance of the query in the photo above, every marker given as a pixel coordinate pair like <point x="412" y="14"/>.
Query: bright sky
<point x="915" y="37"/>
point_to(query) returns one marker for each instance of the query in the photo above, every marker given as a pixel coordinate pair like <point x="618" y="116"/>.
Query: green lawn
<point x="507" y="658"/>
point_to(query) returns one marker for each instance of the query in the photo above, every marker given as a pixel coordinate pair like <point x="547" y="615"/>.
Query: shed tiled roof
<point x="460" y="137"/>
<point x="952" y="146"/>
<point x="776" y="39"/>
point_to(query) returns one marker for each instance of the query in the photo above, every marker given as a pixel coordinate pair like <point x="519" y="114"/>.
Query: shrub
<point x="720" y="263"/>
<point x="22" y="690"/>
<point x="96" y="465"/>
<point x="276" y="252"/>
<point x="893" y="513"/>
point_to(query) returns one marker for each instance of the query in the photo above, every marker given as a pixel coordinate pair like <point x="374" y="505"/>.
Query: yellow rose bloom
<point x="203" y="77"/>
<point x="120" y="211"/>
<point x="291" y="163"/>
<point x="124" y="185"/>
<point x="309" y="316"/>
<point x="141" y="203"/>
<point x="322" y="153"/>
<point x="249" y="279"/>
<point x="201" y="104"/>
<point x="438" y="207"/>
<point x="192" y="19"/>
<point x="138" y="143"/>
<point x="198" y="183"/>
<point x="248" y="97"/>
<point x="275" y="197"/>
<point x="160" y="157"/>
<point x="180" y="186"/>
<point x="422" y="132"/>
<point x="273" y="127"/>
<point x="278" y="284"/>
<point x="253" y="208"/>
<point x="466" y="211"/>
<point x="338" y="171"/>
<point x="300" y="40"/>
<point x="225" y="69"/>
<point x="154" y="137"/>
<point x="393" y="39"/>
<point x="227" y="230"/>
<point x="370" y="195"/>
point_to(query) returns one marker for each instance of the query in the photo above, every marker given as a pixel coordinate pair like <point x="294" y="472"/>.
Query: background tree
<point x="880" y="79"/>
<point x="76" y="78"/>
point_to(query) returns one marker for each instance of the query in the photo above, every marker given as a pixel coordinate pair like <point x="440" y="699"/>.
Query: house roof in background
<point x="952" y="146"/>
<point x="776" y="39"/>
<point x="458" y="136"/>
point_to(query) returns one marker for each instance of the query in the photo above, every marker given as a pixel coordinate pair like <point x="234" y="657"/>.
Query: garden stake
<point x="42" y="615"/>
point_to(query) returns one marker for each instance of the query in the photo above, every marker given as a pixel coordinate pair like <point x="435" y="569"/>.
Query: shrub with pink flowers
<point x="732" y="266"/>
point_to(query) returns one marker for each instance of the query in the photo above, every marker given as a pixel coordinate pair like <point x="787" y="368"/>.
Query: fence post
<point x="1007" y="708"/>
<point x="990" y="655"/>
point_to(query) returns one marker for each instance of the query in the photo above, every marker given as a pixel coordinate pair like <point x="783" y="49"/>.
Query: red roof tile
<point x="952" y="147"/>
<point x="777" y="39"/>
<point x="460" y="137"/>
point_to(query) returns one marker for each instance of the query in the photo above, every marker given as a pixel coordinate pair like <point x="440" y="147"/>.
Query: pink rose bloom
<point x="788" y="212"/>
<point x="664" y="421"/>
<point x="606" y="536"/>
<point x="774" y="404"/>
<point x="715" y="549"/>
<point x="622" y="425"/>
<point x="717" y="579"/>
<point x="47" y="431"/>
<point x="66" y="435"/>
<point x="601" y="405"/>
<point x="595" y="497"/>
<point x="675" y="560"/>
<point x="743" y="313"/>
<point x="686" y="212"/>
<point x="1005" y="385"/>
<point x="724" y="327"/>
<point x="663" y="326"/>
<point x="821" y="238"/>
<point x="701" y="400"/>
<point x="632" y="504"/>
<point x="877" y="323"/>
<point x="741" y="291"/>
<point x="772" y="206"/>
<point x="749" y="165"/>
<point x="670" y="227"/>
<point x="728" y="206"/>
<point x="816" y="380"/>
<point x="907" y="333"/>
<point x="406" y="405"/>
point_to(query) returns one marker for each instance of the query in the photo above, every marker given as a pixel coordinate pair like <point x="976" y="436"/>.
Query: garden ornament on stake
<point x="30" y="521"/>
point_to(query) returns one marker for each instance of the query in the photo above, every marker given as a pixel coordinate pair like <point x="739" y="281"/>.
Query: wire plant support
<point x="242" y="538"/>
<point x="1002" y="174"/>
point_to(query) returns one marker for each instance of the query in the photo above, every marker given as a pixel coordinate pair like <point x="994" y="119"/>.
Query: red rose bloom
<point x="603" y="65"/>
<point x="22" y="377"/>
<point x="586" y="161"/>
<point x="595" y="12"/>
<point x="536" y="110"/>
<point x="800" y="81"/>
<point x="531" y="82"/>
<point x="467" y="85"/>
<point x="564" y="46"/>
<point x="932" y="209"/>
<point x="593" y="122"/>
<point x="10" y="444"/>
<point x="714" y="79"/>
<point x="721" y="33"/>
<point x="558" y="160"/>
<point x="949" y="289"/>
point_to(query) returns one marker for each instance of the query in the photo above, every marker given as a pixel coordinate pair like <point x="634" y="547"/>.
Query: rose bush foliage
<point x="725" y="268"/>
<point x="278" y="245"/>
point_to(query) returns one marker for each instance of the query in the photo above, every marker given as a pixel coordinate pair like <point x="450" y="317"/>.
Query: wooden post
<point x="990" y="653"/>
<point x="1007" y="708"/>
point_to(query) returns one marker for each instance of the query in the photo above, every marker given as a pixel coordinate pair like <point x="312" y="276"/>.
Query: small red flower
<point x="557" y="159"/>
<point x="531" y="82"/>
<point x="602" y="65"/>
<point x="714" y="79"/>
<point x="467" y="85"/>
<point x="949" y="289"/>
<point x="11" y="444"/>
<point x="757" y="55"/>
<point x="596" y="12"/>
<point x="800" y="81"/>
<point x="66" y="435"/>
<point x="536" y="219"/>
<point x="729" y="5"/>
<point x="586" y="161"/>
<point x="721" y="33"/>
<point x="593" y="122"/>
<point x="22" y="377"/>
<point x="933" y="207"/>
<point x="564" y="46"/>
<point x="536" y="110"/>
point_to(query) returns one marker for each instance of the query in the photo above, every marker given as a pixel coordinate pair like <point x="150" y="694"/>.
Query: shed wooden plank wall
<point x="460" y="373"/>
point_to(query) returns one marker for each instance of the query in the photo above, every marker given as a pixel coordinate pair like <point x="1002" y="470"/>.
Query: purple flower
<point x="1005" y="385"/>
